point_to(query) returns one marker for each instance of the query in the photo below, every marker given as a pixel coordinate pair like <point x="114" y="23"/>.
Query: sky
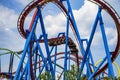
<point x="84" y="13"/>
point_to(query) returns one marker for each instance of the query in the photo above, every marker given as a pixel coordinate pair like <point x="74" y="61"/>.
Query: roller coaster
<point x="55" y="54"/>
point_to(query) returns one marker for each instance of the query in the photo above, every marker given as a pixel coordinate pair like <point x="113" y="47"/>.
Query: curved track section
<point x="29" y="8"/>
<point x="9" y="75"/>
<point x="34" y="4"/>
<point x="115" y="64"/>
<point x="115" y="17"/>
<point x="61" y="40"/>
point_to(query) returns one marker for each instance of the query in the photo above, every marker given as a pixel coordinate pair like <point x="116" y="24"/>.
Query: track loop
<point x="115" y="17"/>
<point x="115" y="12"/>
<point x="108" y="5"/>
<point x="103" y="4"/>
<point x="23" y="15"/>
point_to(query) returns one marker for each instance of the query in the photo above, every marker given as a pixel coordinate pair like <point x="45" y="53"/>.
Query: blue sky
<point x="14" y="8"/>
<point x="12" y="4"/>
<point x="10" y="10"/>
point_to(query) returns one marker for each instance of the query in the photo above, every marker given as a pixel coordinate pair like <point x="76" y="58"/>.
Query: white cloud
<point x="8" y="17"/>
<point x="55" y="24"/>
<point x="115" y="4"/>
<point x="9" y="37"/>
<point x="112" y="35"/>
<point x="84" y="17"/>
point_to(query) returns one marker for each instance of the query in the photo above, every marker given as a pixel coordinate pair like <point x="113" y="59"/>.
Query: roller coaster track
<point x="111" y="11"/>
<point x="62" y="40"/>
<point x="110" y="6"/>
<point x="7" y="51"/>
<point x="42" y="3"/>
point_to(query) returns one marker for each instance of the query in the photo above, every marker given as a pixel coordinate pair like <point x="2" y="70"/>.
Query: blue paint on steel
<point x="60" y="34"/>
<point x="68" y="60"/>
<point x="110" y="68"/>
<point x="76" y="32"/>
<point x="35" y="64"/>
<point x="52" y="49"/>
<point x="25" y="48"/>
<point x="45" y="41"/>
<point x="25" y="75"/>
<point x="47" y="62"/>
<point x="41" y="54"/>
<point x="87" y="60"/>
<point x="90" y="40"/>
<point x="90" y="55"/>
<point x="23" y="72"/>
<point x="55" y="57"/>
<point x="28" y="66"/>
<point x="97" y="68"/>
<point x="66" y="43"/>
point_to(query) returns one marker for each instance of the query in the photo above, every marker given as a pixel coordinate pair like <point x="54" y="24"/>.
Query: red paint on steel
<point x="115" y="18"/>
<point x="33" y="5"/>
<point x="33" y="18"/>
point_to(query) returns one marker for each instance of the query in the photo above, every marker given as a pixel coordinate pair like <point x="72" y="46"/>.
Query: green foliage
<point x="118" y="78"/>
<point x="44" y="76"/>
<point x="71" y="74"/>
<point x="111" y="78"/>
<point x="83" y="78"/>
